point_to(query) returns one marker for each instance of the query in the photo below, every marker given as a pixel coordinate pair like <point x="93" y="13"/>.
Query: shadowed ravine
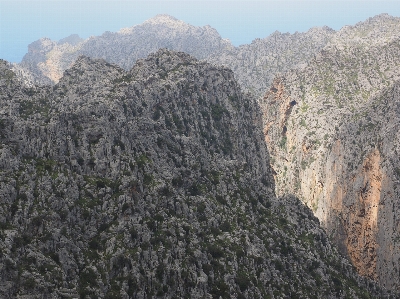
<point x="152" y="183"/>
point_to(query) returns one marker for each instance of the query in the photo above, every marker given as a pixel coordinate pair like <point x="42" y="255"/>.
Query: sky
<point x="24" y="21"/>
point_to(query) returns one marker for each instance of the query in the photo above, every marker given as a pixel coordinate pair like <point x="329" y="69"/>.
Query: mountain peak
<point x="42" y="45"/>
<point x="167" y="20"/>
<point x="170" y="60"/>
<point x="85" y="63"/>
<point x="87" y="69"/>
<point x="382" y="16"/>
<point x="73" y="40"/>
<point x="162" y="18"/>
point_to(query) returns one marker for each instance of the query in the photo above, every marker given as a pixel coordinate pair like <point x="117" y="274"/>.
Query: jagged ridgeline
<point x="151" y="183"/>
<point x="46" y="60"/>
<point x="254" y="65"/>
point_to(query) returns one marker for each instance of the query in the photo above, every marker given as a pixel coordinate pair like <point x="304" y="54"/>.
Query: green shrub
<point x="220" y="289"/>
<point x="243" y="281"/>
<point x="215" y="251"/>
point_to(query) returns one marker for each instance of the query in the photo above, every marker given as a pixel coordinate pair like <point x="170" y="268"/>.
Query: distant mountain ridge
<point x="257" y="64"/>
<point x="375" y="31"/>
<point x="254" y="65"/>
<point x="46" y="60"/>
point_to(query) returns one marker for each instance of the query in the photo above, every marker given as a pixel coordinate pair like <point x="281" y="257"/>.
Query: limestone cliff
<point x="153" y="183"/>
<point x="332" y="132"/>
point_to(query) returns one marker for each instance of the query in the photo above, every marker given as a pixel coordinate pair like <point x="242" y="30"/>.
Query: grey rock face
<point x="73" y="40"/>
<point x="332" y="133"/>
<point x="152" y="182"/>
<point x="47" y="59"/>
<point x="32" y="70"/>
<point x="254" y="65"/>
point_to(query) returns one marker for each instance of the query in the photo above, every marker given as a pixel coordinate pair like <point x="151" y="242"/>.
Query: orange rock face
<point x="362" y="228"/>
<point x="342" y="174"/>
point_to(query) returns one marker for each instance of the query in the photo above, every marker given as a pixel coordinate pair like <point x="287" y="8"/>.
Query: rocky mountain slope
<point x="332" y="131"/>
<point x="151" y="183"/>
<point x="46" y="60"/>
<point x="255" y="65"/>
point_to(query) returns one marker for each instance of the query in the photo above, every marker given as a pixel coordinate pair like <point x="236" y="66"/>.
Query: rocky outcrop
<point x="362" y="231"/>
<point x="47" y="59"/>
<point x="152" y="183"/>
<point x="331" y="131"/>
<point x="254" y="65"/>
<point x="73" y="40"/>
<point x="30" y="70"/>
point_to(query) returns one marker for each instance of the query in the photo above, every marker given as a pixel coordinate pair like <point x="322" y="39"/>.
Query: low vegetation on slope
<point x="151" y="183"/>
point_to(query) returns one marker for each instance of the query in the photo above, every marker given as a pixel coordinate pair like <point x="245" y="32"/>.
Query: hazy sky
<point x="24" y="21"/>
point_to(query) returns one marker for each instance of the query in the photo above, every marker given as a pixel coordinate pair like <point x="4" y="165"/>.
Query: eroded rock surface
<point x="46" y="60"/>
<point x="152" y="182"/>
<point x="255" y="65"/>
<point x="332" y="131"/>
